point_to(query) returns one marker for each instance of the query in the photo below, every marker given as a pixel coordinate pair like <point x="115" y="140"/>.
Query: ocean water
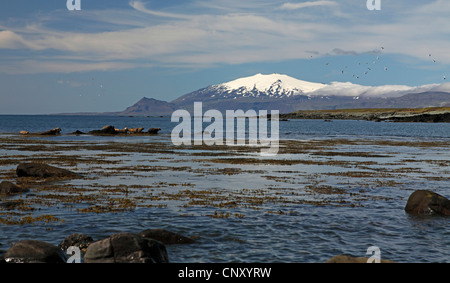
<point x="285" y="213"/>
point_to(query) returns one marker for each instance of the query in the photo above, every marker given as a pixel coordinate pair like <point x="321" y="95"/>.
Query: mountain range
<point x="288" y="94"/>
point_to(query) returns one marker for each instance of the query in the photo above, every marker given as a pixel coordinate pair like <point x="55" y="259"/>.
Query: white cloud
<point x="217" y="35"/>
<point x="354" y="90"/>
<point x="296" y="6"/>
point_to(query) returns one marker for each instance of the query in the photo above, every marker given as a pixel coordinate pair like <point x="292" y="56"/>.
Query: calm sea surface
<point x="309" y="213"/>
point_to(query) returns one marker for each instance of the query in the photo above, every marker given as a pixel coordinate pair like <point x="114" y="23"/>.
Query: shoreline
<point x="419" y="115"/>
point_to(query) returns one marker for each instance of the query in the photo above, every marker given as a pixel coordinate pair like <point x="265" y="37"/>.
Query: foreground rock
<point x="165" y="237"/>
<point x="42" y="171"/>
<point x="351" y="259"/>
<point x="8" y="188"/>
<point x="427" y="202"/>
<point x="32" y="251"/>
<point x="76" y="240"/>
<point x="126" y="248"/>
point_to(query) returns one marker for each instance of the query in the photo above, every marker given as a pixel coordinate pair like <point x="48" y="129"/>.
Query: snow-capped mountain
<point x="269" y="85"/>
<point x="287" y="94"/>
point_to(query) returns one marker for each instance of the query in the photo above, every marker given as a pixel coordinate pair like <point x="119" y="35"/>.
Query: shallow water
<point x="307" y="204"/>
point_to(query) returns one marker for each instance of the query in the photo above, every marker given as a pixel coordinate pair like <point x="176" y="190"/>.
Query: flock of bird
<point x="369" y="67"/>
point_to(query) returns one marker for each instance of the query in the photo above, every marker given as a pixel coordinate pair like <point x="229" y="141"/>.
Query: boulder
<point x="42" y="171"/>
<point x="106" y="130"/>
<point x="153" y="131"/>
<point x="33" y="251"/>
<point x="165" y="237"/>
<point x="126" y="248"/>
<point x="427" y="202"/>
<point x="8" y="188"/>
<point x="53" y="132"/>
<point x="76" y="240"/>
<point x="351" y="259"/>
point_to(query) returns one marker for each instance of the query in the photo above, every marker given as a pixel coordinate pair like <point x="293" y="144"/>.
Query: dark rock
<point x="53" y="132"/>
<point x="106" y="130"/>
<point x="78" y="132"/>
<point x="8" y="188"/>
<point x="33" y="251"/>
<point x="76" y="240"/>
<point x="153" y="131"/>
<point x="165" y="237"/>
<point x="42" y="171"/>
<point x="427" y="202"/>
<point x="126" y="248"/>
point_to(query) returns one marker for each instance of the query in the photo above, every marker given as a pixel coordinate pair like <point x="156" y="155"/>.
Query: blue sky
<point x="112" y="53"/>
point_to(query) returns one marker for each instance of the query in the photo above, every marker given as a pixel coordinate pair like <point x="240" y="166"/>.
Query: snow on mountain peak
<point x="274" y="84"/>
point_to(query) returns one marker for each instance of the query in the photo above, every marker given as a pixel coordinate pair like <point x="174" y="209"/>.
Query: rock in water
<point x="154" y="131"/>
<point x="165" y="237"/>
<point x="126" y="248"/>
<point x="8" y="188"/>
<point x="32" y="251"/>
<point x="427" y="202"/>
<point x="106" y="130"/>
<point x="53" y="132"/>
<point x="42" y="171"/>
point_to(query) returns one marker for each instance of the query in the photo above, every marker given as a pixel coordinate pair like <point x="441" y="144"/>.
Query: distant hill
<point x="149" y="107"/>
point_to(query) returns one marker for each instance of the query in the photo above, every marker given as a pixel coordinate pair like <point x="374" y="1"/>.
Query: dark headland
<point x="430" y="114"/>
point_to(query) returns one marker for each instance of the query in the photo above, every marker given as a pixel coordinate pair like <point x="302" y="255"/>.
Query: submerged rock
<point x="42" y="171"/>
<point x="8" y="188"/>
<point x="165" y="237"/>
<point x="427" y="202"/>
<point x="33" y="251"/>
<point x="126" y="248"/>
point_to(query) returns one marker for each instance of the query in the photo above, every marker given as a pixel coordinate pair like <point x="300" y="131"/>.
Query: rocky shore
<point x="423" y="115"/>
<point x="42" y="185"/>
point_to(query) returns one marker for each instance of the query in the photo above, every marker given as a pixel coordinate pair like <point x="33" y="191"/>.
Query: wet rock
<point x="427" y="202"/>
<point x="42" y="171"/>
<point x="76" y="240"/>
<point x="53" y="132"/>
<point x="106" y="130"/>
<point x="165" y="237"/>
<point x="8" y="188"/>
<point x="77" y="133"/>
<point x="351" y="259"/>
<point x="153" y="131"/>
<point x="126" y="248"/>
<point x="33" y="251"/>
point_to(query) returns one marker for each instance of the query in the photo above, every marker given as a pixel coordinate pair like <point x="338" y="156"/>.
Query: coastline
<point x="432" y="114"/>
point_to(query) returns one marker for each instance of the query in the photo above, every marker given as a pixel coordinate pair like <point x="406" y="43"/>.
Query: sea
<point x="298" y="221"/>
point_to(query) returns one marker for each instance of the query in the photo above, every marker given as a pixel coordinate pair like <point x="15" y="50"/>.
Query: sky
<point x="108" y="55"/>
